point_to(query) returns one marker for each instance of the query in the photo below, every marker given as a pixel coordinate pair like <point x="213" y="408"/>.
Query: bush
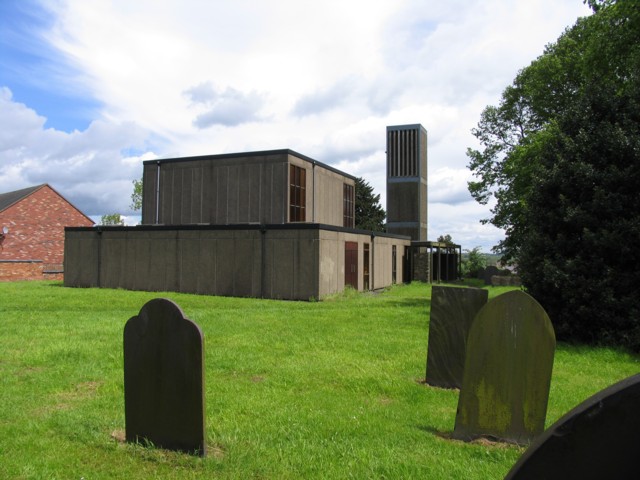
<point x="473" y="262"/>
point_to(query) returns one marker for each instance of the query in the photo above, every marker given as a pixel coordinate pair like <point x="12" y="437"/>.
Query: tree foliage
<point x="136" y="196"/>
<point x="473" y="262"/>
<point x="112" y="219"/>
<point x="446" y="239"/>
<point x="369" y="214"/>
<point x="560" y="159"/>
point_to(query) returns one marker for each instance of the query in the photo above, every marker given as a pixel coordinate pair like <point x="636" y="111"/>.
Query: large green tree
<point x="601" y="48"/>
<point x="581" y="258"/>
<point x="559" y="158"/>
<point x="369" y="214"/>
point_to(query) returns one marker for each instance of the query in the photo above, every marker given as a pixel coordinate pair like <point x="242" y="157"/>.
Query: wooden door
<point x="351" y="264"/>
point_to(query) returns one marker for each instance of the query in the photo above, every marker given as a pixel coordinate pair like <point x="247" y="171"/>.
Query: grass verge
<point x="325" y="389"/>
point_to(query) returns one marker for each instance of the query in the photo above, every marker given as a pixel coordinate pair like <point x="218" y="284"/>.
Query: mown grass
<point x="325" y="389"/>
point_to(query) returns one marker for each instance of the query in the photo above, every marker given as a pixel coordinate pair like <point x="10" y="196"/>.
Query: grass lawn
<point x="293" y="389"/>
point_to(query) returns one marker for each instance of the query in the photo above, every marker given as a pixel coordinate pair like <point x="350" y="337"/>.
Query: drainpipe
<point x="158" y="192"/>
<point x="99" y="266"/>
<point x="313" y="193"/>
<point x="263" y="250"/>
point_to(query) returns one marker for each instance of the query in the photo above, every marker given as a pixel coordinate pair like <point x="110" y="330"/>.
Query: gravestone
<point x="490" y="271"/>
<point x="597" y="439"/>
<point x="164" y="378"/>
<point x="507" y="372"/>
<point x="452" y="312"/>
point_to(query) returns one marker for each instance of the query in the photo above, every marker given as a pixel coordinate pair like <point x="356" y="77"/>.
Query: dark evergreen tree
<point x="369" y="214"/>
<point x="582" y="223"/>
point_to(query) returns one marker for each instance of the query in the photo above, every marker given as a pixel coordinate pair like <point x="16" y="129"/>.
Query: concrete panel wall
<point x="238" y="190"/>
<point x="286" y="263"/>
<point x="332" y="256"/>
<point x="291" y="265"/>
<point x="328" y="203"/>
<point x="252" y="189"/>
<point x="405" y="207"/>
<point x="383" y="260"/>
<point x="81" y="259"/>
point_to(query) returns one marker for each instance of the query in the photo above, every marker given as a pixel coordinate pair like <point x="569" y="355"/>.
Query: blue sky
<point x="38" y="74"/>
<point x="90" y="89"/>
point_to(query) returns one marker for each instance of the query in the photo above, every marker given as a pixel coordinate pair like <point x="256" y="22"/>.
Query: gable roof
<point x="11" y="198"/>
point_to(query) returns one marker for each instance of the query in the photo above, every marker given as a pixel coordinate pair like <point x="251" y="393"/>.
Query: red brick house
<point x="32" y="222"/>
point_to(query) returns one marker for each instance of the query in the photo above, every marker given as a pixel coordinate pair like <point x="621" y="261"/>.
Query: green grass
<point x="293" y="390"/>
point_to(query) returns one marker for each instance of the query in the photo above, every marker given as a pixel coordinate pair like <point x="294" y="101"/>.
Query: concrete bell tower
<point x="407" y="181"/>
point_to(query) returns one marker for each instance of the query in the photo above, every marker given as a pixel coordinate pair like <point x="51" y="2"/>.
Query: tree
<point x="560" y="157"/>
<point x="446" y="239"/>
<point x="136" y="196"/>
<point x="600" y="48"/>
<point x="581" y="257"/>
<point x="112" y="219"/>
<point x="473" y="262"/>
<point x="369" y="214"/>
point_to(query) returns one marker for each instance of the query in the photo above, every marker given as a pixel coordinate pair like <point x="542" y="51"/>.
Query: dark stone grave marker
<point x="164" y="378"/>
<point x="489" y="272"/>
<point x="507" y="373"/>
<point x="452" y="312"/>
<point x="598" y="439"/>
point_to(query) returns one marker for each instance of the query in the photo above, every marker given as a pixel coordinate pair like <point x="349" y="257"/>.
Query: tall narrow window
<point x="394" y="263"/>
<point x="348" y="206"/>
<point x="297" y="193"/>
<point x="365" y="267"/>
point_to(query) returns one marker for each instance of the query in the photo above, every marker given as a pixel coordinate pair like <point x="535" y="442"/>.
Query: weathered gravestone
<point x="489" y="271"/>
<point x="452" y="312"/>
<point x="164" y="378"/>
<point x="600" y="438"/>
<point x="507" y="372"/>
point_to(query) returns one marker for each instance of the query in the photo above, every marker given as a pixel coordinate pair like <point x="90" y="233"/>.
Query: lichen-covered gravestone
<point x="452" y="312"/>
<point x="597" y="439"/>
<point x="164" y="378"/>
<point x="507" y="373"/>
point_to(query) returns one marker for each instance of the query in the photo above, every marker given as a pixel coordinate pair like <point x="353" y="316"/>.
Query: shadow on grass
<point x="485" y="441"/>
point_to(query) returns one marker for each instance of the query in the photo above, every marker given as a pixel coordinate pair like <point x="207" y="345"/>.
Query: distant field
<point x="294" y="390"/>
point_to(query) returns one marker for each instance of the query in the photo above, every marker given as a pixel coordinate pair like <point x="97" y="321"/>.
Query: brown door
<point x="351" y="264"/>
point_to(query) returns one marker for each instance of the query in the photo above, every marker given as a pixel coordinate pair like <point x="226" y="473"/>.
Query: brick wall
<point x="17" y="270"/>
<point x="34" y="244"/>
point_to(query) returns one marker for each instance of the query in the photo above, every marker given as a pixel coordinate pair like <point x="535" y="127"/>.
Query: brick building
<point x="32" y="222"/>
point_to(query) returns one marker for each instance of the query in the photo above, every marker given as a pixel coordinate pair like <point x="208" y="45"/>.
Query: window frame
<point x="297" y="194"/>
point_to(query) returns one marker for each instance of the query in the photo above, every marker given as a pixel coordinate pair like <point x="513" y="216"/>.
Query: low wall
<point x="292" y="261"/>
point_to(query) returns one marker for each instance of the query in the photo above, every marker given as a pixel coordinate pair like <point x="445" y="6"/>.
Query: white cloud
<point x="323" y="78"/>
<point x="86" y="167"/>
<point x="228" y="108"/>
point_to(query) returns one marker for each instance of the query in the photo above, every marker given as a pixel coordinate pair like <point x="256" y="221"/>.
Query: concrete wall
<point x="277" y="262"/>
<point x="217" y="191"/>
<point x="332" y="260"/>
<point x="329" y="194"/>
<point x="407" y="181"/>
<point x="237" y="189"/>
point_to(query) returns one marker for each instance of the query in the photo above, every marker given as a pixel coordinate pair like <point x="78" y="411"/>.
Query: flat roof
<point x="260" y="153"/>
<point x="236" y="226"/>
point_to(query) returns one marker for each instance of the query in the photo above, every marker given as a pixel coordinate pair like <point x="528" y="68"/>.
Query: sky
<point x="89" y="89"/>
